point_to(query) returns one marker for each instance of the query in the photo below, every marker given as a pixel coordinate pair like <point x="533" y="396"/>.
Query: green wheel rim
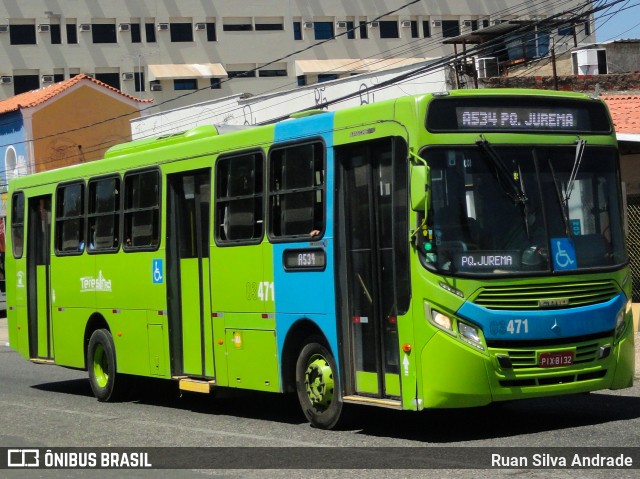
<point x="318" y="380"/>
<point x="100" y="366"/>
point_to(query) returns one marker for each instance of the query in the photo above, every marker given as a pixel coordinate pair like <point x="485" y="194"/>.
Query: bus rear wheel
<point x="106" y="384"/>
<point x="317" y="386"/>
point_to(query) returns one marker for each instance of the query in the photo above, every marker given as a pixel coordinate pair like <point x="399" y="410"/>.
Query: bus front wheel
<point x="101" y="363"/>
<point x="317" y="386"/>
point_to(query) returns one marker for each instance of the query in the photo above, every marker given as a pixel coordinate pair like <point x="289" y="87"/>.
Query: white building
<point x="190" y="51"/>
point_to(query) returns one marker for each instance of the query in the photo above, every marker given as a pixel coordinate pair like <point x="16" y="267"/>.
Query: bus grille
<point x="546" y="296"/>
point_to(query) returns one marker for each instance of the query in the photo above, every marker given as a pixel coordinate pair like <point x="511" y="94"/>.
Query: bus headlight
<point x="439" y="319"/>
<point x="470" y="335"/>
<point x="620" y="320"/>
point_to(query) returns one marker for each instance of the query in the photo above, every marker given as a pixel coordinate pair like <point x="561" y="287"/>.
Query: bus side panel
<point x="129" y="331"/>
<point x="308" y="294"/>
<point x="68" y="335"/>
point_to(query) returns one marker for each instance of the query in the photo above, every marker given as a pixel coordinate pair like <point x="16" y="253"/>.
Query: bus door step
<point x="41" y="361"/>
<point x="196" y="385"/>
<point x="382" y="402"/>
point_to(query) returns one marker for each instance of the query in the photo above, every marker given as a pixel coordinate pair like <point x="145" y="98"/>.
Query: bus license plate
<point x="555" y="359"/>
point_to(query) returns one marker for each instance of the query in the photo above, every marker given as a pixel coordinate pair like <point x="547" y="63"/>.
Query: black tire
<point x="317" y="386"/>
<point x="107" y="385"/>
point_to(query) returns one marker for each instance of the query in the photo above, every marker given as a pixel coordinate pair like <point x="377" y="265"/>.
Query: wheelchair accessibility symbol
<point x="157" y="272"/>
<point x="564" y="254"/>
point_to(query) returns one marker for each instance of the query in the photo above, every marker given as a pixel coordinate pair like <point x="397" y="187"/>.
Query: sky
<point x="623" y="25"/>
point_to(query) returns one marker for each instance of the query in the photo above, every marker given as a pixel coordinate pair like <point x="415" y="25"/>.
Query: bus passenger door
<point x="38" y="291"/>
<point x="373" y="265"/>
<point x="188" y="288"/>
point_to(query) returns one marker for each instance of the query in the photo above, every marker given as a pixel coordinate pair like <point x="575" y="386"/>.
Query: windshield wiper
<point x="563" y="196"/>
<point x="580" y="144"/>
<point x="511" y="186"/>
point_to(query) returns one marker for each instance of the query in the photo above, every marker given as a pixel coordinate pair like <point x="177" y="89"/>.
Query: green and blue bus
<point x="432" y="251"/>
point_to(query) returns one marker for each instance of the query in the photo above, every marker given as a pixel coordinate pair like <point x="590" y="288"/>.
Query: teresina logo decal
<point x="100" y="284"/>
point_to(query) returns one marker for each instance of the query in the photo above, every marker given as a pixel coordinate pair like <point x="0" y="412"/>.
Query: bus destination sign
<point x="514" y="118"/>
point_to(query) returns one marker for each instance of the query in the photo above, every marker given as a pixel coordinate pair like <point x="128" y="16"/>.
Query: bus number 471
<point x="513" y="326"/>
<point x="263" y="291"/>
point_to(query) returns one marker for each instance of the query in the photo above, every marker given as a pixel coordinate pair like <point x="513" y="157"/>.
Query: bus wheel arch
<point x="298" y="335"/>
<point x="95" y="322"/>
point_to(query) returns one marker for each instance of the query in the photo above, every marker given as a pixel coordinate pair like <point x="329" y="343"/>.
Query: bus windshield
<point x="522" y="209"/>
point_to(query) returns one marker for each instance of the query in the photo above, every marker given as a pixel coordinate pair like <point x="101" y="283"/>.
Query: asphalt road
<point x="49" y="406"/>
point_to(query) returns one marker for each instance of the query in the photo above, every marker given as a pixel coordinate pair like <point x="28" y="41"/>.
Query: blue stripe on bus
<point x="308" y="295"/>
<point x="547" y="324"/>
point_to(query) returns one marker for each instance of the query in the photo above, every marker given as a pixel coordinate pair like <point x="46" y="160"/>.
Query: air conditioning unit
<point x="308" y="25"/>
<point x="487" y="67"/>
<point x="5" y="80"/>
<point x="341" y="24"/>
<point x="124" y="27"/>
<point x="436" y="23"/>
<point x="85" y="27"/>
<point x="162" y="27"/>
<point x="47" y="78"/>
<point x="156" y="87"/>
<point x="200" y="26"/>
<point x="405" y="23"/>
<point x="467" y="23"/>
<point x="44" y="27"/>
<point x="374" y="25"/>
<point x="4" y="28"/>
<point x="128" y="76"/>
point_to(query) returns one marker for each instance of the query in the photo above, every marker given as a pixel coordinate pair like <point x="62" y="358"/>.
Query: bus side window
<point x="17" y="224"/>
<point x="141" y="210"/>
<point x="239" y="200"/>
<point x="104" y="214"/>
<point x="296" y="191"/>
<point x="69" y="236"/>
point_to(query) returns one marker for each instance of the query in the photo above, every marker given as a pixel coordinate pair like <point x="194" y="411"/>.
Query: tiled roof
<point x="625" y="111"/>
<point x="37" y="97"/>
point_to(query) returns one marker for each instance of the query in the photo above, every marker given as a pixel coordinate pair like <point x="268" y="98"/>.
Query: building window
<point x="136" y="36"/>
<point x="302" y="80"/>
<point x="150" y="32"/>
<point x="104" y="33"/>
<point x="426" y="29"/>
<point x="55" y="33"/>
<point x="58" y="77"/>
<point x="414" y="29"/>
<point x="103" y="215"/>
<point x="327" y="77"/>
<point x="323" y="30"/>
<point x="272" y="73"/>
<point x="72" y="33"/>
<point x="269" y="26"/>
<point x="111" y="79"/>
<point x="141" y="211"/>
<point x="17" y="224"/>
<point x="24" y="83"/>
<point x="296" y="191"/>
<point x="351" y="33"/>
<point x="389" y="29"/>
<point x="181" y="32"/>
<point x="216" y="84"/>
<point x="22" y="34"/>
<point x="239" y="198"/>
<point x="364" y="30"/>
<point x="297" y="30"/>
<point x="237" y="27"/>
<point x="450" y="28"/>
<point x="185" y="84"/>
<point x="211" y="32"/>
<point x="138" y="78"/>
<point x="564" y="30"/>
<point x="241" y="73"/>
